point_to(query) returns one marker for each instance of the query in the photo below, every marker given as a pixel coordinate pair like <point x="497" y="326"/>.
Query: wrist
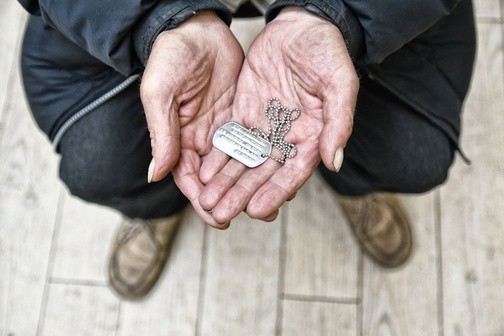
<point x="201" y="23"/>
<point x="335" y="12"/>
<point x="293" y="13"/>
<point x="167" y="15"/>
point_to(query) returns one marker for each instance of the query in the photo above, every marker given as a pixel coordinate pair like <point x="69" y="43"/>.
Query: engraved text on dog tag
<point x="241" y="144"/>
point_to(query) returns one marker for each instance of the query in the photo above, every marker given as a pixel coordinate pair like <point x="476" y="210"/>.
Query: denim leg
<point x="106" y="154"/>
<point x="392" y="148"/>
<point x="105" y="158"/>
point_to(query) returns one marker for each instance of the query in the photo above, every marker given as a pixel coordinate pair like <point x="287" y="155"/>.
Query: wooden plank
<point x="318" y="318"/>
<point x="29" y="192"/>
<point x="487" y="9"/>
<point x="83" y="241"/>
<point x="12" y="18"/>
<point x="404" y="301"/>
<point x="472" y="217"/>
<point x="321" y="254"/>
<point x="246" y="29"/>
<point x="80" y="310"/>
<point x="241" y="289"/>
<point x="172" y="307"/>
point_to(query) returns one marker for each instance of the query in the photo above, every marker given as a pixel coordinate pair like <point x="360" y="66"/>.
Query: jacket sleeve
<point x="374" y="29"/>
<point x="120" y="33"/>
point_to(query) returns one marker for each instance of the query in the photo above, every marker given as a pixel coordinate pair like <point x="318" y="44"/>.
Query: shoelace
<point x="365" y="215"/>
<point x="134" y="228"/>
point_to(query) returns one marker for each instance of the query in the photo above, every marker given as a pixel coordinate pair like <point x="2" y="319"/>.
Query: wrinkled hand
<point x="187" y="91"/>
<point x="302" y="60"/>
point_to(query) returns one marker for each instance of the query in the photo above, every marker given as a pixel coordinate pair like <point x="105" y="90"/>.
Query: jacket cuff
<point x="168" y="15"/>
<point x="334" y="11"/>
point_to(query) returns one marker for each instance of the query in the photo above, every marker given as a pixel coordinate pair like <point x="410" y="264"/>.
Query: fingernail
<point x="223" y="226"/>
<point x="150" y="173"/>
<point x="338" y="159"/>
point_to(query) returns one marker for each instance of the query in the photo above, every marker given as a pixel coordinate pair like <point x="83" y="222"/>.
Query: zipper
<point x="89" y="108"/>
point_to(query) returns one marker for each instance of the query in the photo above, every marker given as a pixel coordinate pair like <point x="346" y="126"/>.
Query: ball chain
<point x="280" y="118"/>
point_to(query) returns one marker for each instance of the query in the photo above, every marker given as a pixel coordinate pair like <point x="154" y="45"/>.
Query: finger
<point x="291" y="197"/>
<point x="213" y="163"/>
<point x="284" y="183"/>
<point x="164" y="129"/>
<point x="186" y="178"/>
<point x="236" y="199"/>
<point x="338" y="113"/>
<point x="272" y="195"/>
<point x="224" y="180"/>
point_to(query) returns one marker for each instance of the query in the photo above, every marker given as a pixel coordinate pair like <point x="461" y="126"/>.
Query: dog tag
<point x="241" y="144"/>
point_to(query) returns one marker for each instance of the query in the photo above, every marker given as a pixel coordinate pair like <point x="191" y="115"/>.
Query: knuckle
<point x="349" y="122"/>
<point x="149" y="90"/>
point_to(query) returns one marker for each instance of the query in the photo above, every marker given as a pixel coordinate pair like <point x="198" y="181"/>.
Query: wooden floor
<point x="300" y="275"/>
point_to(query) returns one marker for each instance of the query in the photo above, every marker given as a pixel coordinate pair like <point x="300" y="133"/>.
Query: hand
<point x="187" y="91"/>
<point x="301" y="59"/>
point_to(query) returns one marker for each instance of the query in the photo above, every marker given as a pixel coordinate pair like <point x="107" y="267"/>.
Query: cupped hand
<point x="302" y="60"/>
<point x="187" y="92"/>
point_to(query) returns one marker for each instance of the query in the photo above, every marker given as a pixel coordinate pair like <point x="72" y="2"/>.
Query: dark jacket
<point x="119" y="33"/>
<point x="404" y="45"/>
<point x="421" y="51"/>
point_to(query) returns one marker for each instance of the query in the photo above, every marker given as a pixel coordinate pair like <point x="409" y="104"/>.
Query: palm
<point x="187" y="92"/>
<point x="199" y="117"/>
<point x="301" y="64"/>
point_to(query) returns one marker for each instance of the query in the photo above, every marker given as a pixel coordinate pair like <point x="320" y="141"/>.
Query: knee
<point x="100" y="173"/>
<point x="411" y="168"/>
<point x="97" y="182"/>
<point x="106" y="154"/>
<point x="88" y="187"/>
<point x="425" y="170"/>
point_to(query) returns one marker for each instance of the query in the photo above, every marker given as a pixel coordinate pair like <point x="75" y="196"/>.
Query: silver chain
<point x="280" y="118"/>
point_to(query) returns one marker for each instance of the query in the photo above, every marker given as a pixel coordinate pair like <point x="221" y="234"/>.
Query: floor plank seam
<point x="202" y="284"/>
<point x="118" y="321"/>
<point x="50" y="262"/>
<point x="469" y="292"/>
<point x="281" y="272"/>
<point x="502" y="34"/>
<point x="76" y="282"/>
<point x="360" y="294"/>
<point x="12" y="74"/>
<point x="6" y="106"/>
<point x="320" y="299"/>
<point x="439" y="261"/>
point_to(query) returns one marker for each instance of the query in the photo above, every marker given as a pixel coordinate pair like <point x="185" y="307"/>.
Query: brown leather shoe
<point x="381" y="227"/>
<point x="140" y="253"/>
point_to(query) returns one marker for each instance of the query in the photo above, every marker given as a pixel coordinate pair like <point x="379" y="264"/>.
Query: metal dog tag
<point x="241" y="144"/>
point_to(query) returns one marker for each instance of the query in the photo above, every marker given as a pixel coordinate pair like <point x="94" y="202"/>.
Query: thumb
<point x="164" y="128"/>
<point x="338" y="113"/>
